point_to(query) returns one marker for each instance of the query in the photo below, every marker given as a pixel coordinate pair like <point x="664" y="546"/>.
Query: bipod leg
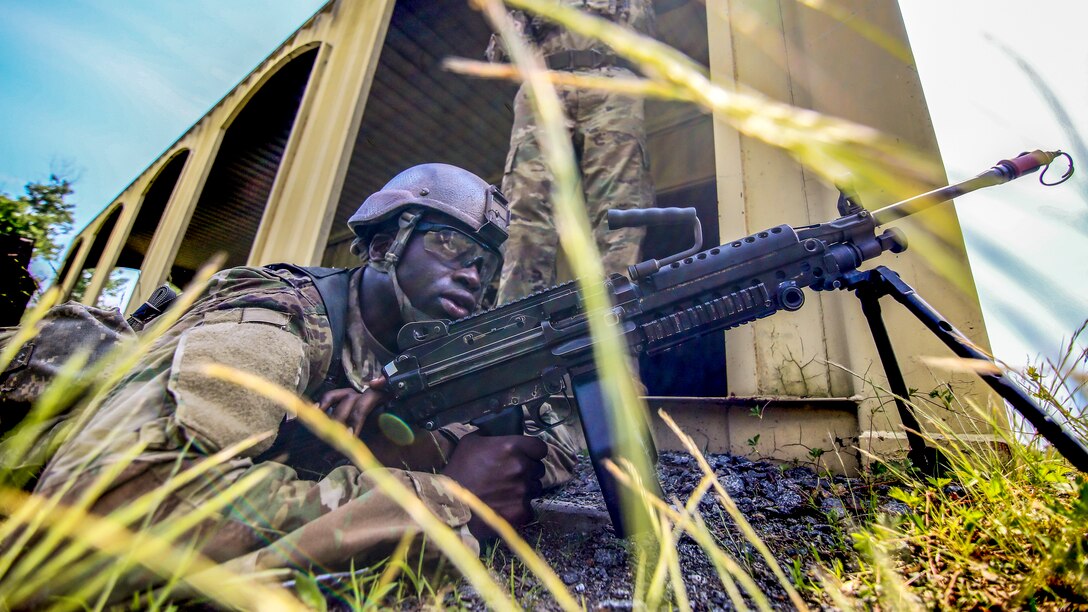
<point x="1064" y="441"/>
<point x="929" y="460"/>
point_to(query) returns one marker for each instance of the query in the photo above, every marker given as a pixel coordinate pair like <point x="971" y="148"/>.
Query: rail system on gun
<point x="663" y="304"/>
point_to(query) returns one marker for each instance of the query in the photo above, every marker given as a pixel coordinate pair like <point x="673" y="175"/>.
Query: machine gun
<point x="482" y="369"/>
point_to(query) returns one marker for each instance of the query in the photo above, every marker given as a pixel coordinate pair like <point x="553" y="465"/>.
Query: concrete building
<point x="272" y="172"/>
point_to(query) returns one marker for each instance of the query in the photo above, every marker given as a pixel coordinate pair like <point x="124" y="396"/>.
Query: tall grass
<point x="997" y="530"/>
<point x="1002" y="529"/>
<point x="1004" y="526"/>
<point x="64" y="556"/>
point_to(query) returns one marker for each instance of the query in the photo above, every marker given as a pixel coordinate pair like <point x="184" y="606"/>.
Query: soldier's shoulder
<point x="275" y="273"/>
<point x="271" y="276"/>
<point x="266" y="286"/>
<point x="283" y="287"/>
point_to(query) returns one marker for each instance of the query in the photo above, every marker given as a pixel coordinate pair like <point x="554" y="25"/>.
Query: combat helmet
<point x="479" y="207"/>
<point x="441" y="188"/>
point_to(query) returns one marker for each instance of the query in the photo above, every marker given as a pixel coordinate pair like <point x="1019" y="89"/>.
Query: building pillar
<point x="72" y="265"/>
<point x="304" y="197"/>
<point x="116" y="241"/>
<point x="204" y="140"/>
<point x="799" y="55"/>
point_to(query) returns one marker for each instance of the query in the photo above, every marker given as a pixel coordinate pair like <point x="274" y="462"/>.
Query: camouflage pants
<point x="283" y="521"/>
<point x="609" y="139"/>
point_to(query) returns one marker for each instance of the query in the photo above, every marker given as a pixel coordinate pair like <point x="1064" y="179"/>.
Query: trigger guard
<point x="534" y="416"/>
<point x="534" y="411"/>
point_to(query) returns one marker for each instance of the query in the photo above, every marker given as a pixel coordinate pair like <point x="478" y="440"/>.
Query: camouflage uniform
<point x="609" y="138"/>
<point x="271" y="323"/>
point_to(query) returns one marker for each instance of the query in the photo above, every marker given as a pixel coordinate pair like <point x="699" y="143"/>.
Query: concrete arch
<point x="152" y="207"/>
<point x="263" y="78"/>
<point x="94" y="254"/>
<point x="236" y="192"/>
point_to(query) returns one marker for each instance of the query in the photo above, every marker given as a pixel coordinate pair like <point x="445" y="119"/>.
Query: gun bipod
<point x="870" y="286"/>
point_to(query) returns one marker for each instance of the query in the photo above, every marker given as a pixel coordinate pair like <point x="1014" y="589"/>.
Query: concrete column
<point x="307" y="189"/>
<point x="759" y="187"/>
<point x="799" y="55"/>
<point x="112" y="250"/>
<point x="203" y="142"/>
<point x="77" y="257"/>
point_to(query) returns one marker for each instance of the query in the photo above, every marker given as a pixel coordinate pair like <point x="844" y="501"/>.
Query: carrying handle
<point x="643" y="217"/>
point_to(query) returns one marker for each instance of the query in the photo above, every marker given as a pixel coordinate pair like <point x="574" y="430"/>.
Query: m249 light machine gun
<point x="482" y="369"/>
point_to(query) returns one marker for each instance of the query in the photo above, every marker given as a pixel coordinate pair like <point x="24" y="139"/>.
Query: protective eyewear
<point x="457" y="249"/>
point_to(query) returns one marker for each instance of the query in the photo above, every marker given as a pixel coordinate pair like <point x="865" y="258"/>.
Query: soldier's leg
<point x="615" y="174"/>
<point x="615" y="171"/>
<point x="531" y="250"/>
<point x="286" y="522"/>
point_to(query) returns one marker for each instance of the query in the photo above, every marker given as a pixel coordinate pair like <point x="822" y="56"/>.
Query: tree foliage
<point x="41" y="214"/>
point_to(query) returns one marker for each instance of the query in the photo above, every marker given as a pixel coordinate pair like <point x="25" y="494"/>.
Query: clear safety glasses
<point x="457" y="249"/>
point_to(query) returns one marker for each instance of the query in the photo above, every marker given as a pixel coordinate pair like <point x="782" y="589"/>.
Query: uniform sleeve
<point x="345" y="518"/>
<point x="216" y="413"/>
<point x="496" y="52"/>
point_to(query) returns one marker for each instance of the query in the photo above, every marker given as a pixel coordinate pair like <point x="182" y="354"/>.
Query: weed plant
<point x="1005" y="527"/>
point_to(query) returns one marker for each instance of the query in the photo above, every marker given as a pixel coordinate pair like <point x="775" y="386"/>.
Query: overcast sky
<point x="99" y="89"/>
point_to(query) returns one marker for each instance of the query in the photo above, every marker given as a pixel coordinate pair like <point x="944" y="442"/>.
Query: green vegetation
<point x="1007" y="535"/>
<point x="41" y="214"/>
<point x="1001" y="529"/>
<point x="1005" y="527"/>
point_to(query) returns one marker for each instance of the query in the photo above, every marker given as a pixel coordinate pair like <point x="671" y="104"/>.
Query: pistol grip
<point x="505" y="423"/>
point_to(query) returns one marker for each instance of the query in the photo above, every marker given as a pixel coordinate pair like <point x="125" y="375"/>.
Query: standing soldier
<point x="609" y="137"/>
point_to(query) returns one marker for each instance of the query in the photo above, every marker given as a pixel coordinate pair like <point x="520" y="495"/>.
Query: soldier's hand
<point x="350" y="407"/>
<point x="503" y="471"/>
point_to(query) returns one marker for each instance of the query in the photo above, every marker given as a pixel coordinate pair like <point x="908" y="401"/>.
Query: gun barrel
<point x="1002" y="172"/>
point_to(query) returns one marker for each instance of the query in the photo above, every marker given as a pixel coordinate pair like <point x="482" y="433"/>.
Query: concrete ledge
<point x="568" y="517"/>
<point x="820" y="432"/>
<point x="893" y="446"/>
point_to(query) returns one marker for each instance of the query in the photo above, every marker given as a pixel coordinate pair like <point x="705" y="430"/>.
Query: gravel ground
<point x="801" y="517"/>
<point x="804" y="519"/>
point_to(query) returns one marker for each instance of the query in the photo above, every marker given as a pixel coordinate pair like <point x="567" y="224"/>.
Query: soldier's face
<point x="442" y="287"/>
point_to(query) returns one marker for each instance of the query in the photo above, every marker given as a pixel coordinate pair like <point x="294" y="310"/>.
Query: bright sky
<point x="1028" y="244"/>
<point x="98" y="89"/>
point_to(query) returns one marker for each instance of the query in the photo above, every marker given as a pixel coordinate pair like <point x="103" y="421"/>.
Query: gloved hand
<point x="503" y="471"/>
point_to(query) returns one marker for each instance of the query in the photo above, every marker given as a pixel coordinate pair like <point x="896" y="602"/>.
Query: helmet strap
<point x="408" y="312"/>
<point x="388" y="265"/>
<point x="407" y="223"/>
